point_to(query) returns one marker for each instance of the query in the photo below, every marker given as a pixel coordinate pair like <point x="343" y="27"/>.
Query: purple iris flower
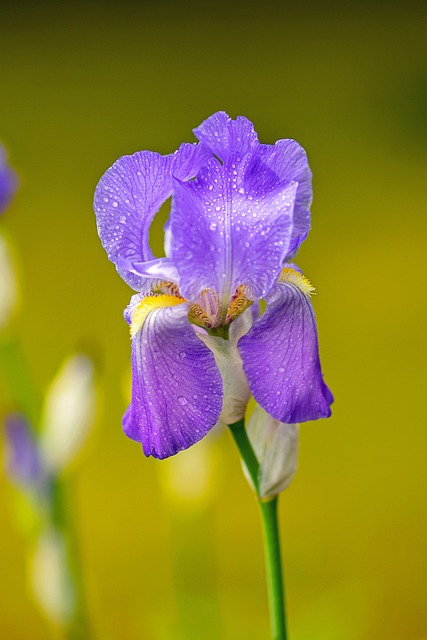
<point x="239" y="212"/>
<point x="7" y="181"/>
<point x="23" y="463"/>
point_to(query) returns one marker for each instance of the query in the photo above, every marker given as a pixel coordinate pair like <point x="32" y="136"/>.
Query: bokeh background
<point x="172" y="550"/>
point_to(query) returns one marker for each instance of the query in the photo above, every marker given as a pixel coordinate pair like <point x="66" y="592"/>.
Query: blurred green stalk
<point x="270" y="526"/>
<point x="27" y="399"/>
<point x="77" y="626"/>
<point x="18" y="378"/>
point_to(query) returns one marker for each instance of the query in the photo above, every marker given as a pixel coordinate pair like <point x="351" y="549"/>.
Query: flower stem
<point x="240" y="436"/>
<point x="276" y="595"/>
<point x="77" y="626"/>
<point x="270" y="526"/>
<point x="24" y="395"/>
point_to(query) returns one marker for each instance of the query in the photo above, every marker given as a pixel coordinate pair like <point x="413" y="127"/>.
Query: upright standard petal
<point x="231" y="226"/>
<point x="226" y="137"/>
<point x="129" y="195"/>
<point x="281" y="358"/>
<point x="176" y="385"/>
<point x="229" y="138"/>
<point x="289" y="161"/>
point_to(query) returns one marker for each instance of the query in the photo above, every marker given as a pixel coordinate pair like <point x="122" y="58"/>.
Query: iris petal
<point x="23" y="461"/>
<point x="281" y="359"/>
<point x="129" y="195"/>
<point x="229" y="138"/>
<point x="8" y="181"/>
<point x="231" y="226"/>
<point x="289" y="161"/>
<point x="226" y="137"/>
<point x="176" y="385"/>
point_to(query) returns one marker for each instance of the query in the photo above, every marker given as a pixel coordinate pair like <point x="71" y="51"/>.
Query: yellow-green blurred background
<point x="82" y="84"/>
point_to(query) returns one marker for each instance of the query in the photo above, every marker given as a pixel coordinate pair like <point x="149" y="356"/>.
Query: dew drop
<point x="182" y="401"/>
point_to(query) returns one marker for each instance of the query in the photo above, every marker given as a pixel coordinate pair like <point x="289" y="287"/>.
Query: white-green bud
<point x="68" y="412"/>
<point x="8" y="284"/>
<point x="49" y="577"/>
<point x="275" y="445"/>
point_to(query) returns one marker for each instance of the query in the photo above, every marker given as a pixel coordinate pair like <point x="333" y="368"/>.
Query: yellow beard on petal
<point x="294" y="277"/>
<point x="149" y="303"/>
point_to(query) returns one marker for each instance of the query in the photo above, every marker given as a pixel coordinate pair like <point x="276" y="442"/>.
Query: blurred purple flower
<point x="7" y="181"/>
<point x="240" y="210"/>
<point x="23" y="464"/>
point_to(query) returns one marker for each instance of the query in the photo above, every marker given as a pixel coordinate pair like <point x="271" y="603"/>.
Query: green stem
<point x="24" y="394"/>
<point x="77" y="627"/>
<point x="240" y="436"/>
<point x="276" y="595"/>
<point x="270" y="526"/>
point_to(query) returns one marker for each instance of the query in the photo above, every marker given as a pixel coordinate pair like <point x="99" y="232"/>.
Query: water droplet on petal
<point x="182" y="401"/>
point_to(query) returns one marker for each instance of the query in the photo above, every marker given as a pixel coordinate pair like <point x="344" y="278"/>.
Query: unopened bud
<point x="276" y="447"/>
<point x="8" y="284"/>
<point x="68" y="413"/>
<point x="190" y="479"/>
<point x="49" y="577"/>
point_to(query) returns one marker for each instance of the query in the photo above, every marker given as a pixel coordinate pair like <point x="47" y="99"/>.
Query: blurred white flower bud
<point x="8" y="284"/>
<point x="276" y="447"/>
<point x="49" y="577"/>
<point x="191" y="480"/>
<point x="68" y="412"/>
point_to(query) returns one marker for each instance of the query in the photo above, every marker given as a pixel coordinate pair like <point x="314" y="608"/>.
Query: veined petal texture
<point x="129" y="195"/>
<point x="289" y="161"/>
<point x="231" y="226"/>
<point x="226" y="137"/>
<point x="176" y="385"/>
<point x="229" y="138"/>
<point x="280" y="357"/>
